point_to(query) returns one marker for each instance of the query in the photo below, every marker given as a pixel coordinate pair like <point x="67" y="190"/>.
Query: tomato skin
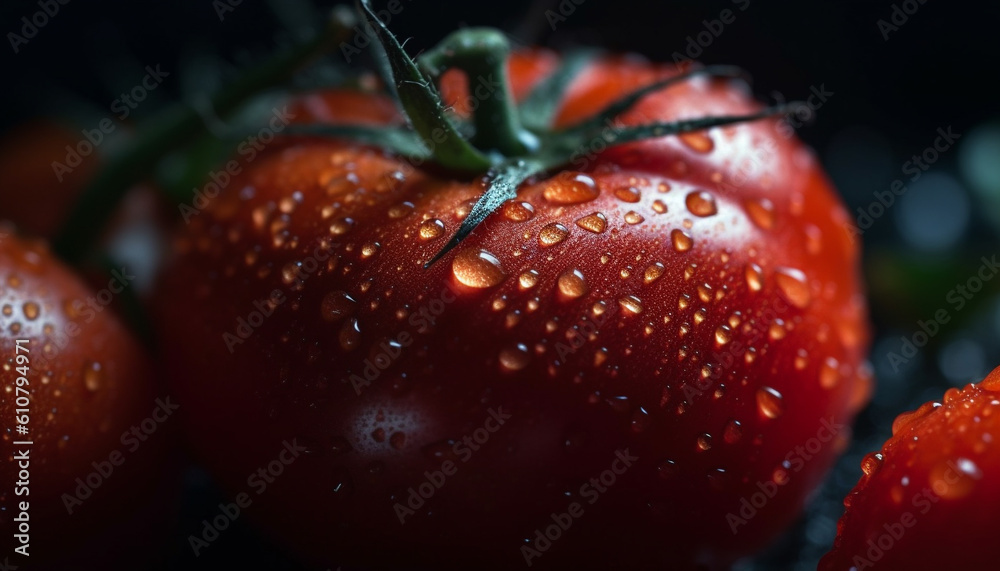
<point x="89" y="383"/>
<point x="933" y="476"/>
<point x="313" y="218"/>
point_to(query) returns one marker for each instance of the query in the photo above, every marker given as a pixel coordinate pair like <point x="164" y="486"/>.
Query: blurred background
<point x="897" y="77"/>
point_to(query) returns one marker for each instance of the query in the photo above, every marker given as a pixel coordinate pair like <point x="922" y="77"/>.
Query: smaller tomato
<point x="924" y="499"/>
<point x="82" y="392"/>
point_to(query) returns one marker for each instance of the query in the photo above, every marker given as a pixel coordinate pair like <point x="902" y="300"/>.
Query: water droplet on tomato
<point x="518" y="211"/>
<point x="552" y="234"/>
<point x="631" y="304"/>
<point x="733" y="432"/>
<point x="93" y="376"/>
<point x="514" y="358"/>
<point x="653" y="272"/>
<point x="477" y="268"/>
<point x="755" y="277"/>
<point x="793" y="286"/>
<point x="701" y="203"/>
<point x="571" y="188"/>
<point x="629" y="194"/>
<point x="761" y="212"/>
<point x="594" y="222"/>
<point x="431" y="228"/>
<point x="633" y="217"/>
<point x="572" y="283"/>
<point x="681" y="240"/>
<point x="528" y="279"/>
<point x="697" y="141"/>
<point x="770" y="402"/>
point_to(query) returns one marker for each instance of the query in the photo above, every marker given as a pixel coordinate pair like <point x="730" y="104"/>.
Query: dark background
<point x="937" y="70"/>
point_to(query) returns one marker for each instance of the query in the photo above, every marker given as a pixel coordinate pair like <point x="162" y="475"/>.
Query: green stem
<point x="168" y="130"/>
<point x="482" y="54"/>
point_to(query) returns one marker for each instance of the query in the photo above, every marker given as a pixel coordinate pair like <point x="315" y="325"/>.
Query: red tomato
<point x="96" y="491"/>
<point x="934" y="478"/>
<point x="666" y="323"/>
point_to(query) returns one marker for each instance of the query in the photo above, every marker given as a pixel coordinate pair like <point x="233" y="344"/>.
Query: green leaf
<point x="612" y="111"/>
<point x="423" y="106"/>
<point x="643" y="132"/>
<point x="505" y="178"/>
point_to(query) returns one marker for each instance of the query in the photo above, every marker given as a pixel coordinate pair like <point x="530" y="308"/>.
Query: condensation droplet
<point x="733" y="432"/>
<point x="723" y="335"/>
<point x="369" y="249"/>
<point x="528" y="279"/>
<point x="681" y="240"/>
<point x="431" y="228"/>
<point x="697" y="141"/>
<point x="755" y="277"/>
<point x="871" y="463"/>
<point x="401" y="210"/>
<point x="793" y="286"/>
<point x="571" y="188"/>
<point x="761" y="212"/>
<point x="30" y="310"/>
<point x="770" y="402"/>
<point x="572" y="283"/>
<point x="631" y="304"/>
<point x="701" y="203"/>
<point x="629" y="194"/>
<point x="518" y="211"/>
<point x="653" y="272"/>
<point x="341" y="226"/>
<point x="829" y="373"/>
<point x="93" y="376"/>
<point x="552" y="234"/>
<point x="704" y="441"/>
<point x="633" y="217"/>
<point x="594" y="222"/>
<point x="477" y="268"/>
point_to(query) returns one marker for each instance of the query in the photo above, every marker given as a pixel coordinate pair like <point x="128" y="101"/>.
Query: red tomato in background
<point x="98" y="493"/>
